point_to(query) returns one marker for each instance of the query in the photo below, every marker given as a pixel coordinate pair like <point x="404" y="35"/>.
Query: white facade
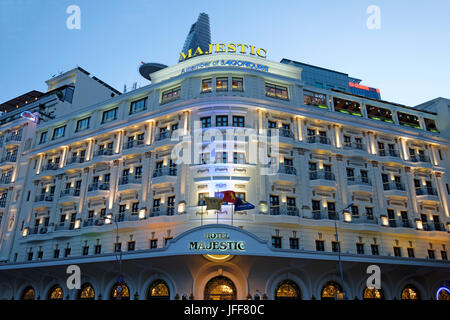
<point x="119" y="162"/>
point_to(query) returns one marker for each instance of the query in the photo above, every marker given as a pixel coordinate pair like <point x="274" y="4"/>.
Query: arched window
<point x="443" y="293"/>
<point x="287" y="289"/>
<point x="55" y="293"/>
<point x="331" y="290"/>
<point x="372" y="294"/>
<point x="86" y="292"/>
<point x="410" y="293"/>
<point x="220" y="288"/>
<point x="122" y="290"/>
<point x="28" y="294"/>
<point x="158" y="290"/>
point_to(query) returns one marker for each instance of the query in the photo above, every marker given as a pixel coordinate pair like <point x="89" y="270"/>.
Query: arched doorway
<point x="373" y="293"/>
<point x="287" y="290"/>
<point x="410" y="293"/>
<point x="220" y="288"/>
<point x="120" y="291"/>
<point x="55" y="293"/>
<point x="86" y="292"/>
<point x="330" y="291"/>
<point x="28" y="294"/>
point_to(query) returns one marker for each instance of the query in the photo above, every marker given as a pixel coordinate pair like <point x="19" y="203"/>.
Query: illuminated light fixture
<point x="218" y="257"/>
<point x="108" y="219"/>
<point x="25" y="232"/>
<point x="142" y="212"/>
<point x="419" y="224"/>
<point x="347" y="216"/>
<point x="448" y="226"/>
<point x="78" y="224"/>
<point x="263" y="207"/>
<point x="181" y="207"/>
<point x="384" y="220"/>
<point x="440" y="290"/>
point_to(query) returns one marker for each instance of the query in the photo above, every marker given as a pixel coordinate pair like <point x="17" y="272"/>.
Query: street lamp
<point x="339" y="245"/>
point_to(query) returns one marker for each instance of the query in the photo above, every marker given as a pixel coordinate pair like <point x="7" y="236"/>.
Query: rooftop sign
<point x="222" y="48"/>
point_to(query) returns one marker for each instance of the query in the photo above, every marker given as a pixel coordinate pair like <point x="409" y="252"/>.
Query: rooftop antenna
<point x="124" y="88"/>
<point x="134" y="85"/>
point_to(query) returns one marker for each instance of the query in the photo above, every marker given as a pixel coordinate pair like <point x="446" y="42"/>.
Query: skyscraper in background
<point x="199" y="34"/>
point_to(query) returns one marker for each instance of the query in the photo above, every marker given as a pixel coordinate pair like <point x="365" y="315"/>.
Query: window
<point x="171" y="95"/>
<point x="206" y="122"/>
<point x="294" y="243"/>
<point x="43" y="138"/>
<point x="135" y="208"/>
<point x="369" y="213"/>
<point x="347" y="106"/>
<point x="153" y="243"/>
<point x="109" y="115"/>
<point x="360" y="248"/>
<point x="238" y="157"/>
<point x="83" y="124"/>
<point x="355" y="211"/>
<point x="408" y="120"/>
<point x="320" y="245"/>
<point x="237" y="84"/>
<point x="431" y="254"/>
<point x="85" y="250"/>
<point x="131" y="245"/>
<point x="59" y="132"/>
<point x="206" y="85"/>
<point x="334" y="246"/>
<point x="221" y="121"/>
<point x="98" y="249"/>
<point x="444" y="255"/>
<point x="410" y="252"/>
<point x="139" y="105"/>
<point x="56" y="254"/>
<point x="118" y="247"/>
<point x="66" y="252"/>
<point x="222" y="84"/>
<point x="275" y="91"/>
<point x="381" y="114"/>
<point x="315" y="99"/>
<point x="221" y="157"/>
<point x="238" y="121"/>
<point x="201" y="198"/>
<point x="397" y="251"/>
<point x="430" y="125"/>
<point x="276" y="242"/>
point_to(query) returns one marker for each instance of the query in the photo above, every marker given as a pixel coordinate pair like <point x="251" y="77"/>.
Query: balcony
<point x="51" y="166"/>
<point x="355" y="146"/>
<point x="13" y="138"/>
<point x="419" y="158"/>
<point x="9" y="158"/>
<point x="103" y="152"/>
<point x="284" y="211"/>
<point x="2" y="203"/>
<point x="359" y="184"/>
<point x="322" y="178"/>
<point x="427" y="194"/>
<point x="44" y="198"/>
<point x="167" y="171"/>
<point x="282" y="132"/>
<point x="162" y="211"/>
<point x="98" y="189"/>
<point x="318" y="139"/>
<point x="67" y="194"/>
<point x="164" y="135"/>
<point x="130" y="182"/>
<point x="5" y="180"/>
<point x="324" y="215"/>
<point x="365" y="219"/>
<point x="394" y="189"/>
<point x="93" y="222"/>
<point x="438" y="226"/>
<point x="76" y="160"/>
<point x="389" y="153"/>
<point x="133" y="144"/>
<point x="38" y="230"/>
<point x="65" y="226"/>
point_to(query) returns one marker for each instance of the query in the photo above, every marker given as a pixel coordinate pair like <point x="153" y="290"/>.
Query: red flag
<point x="229" y="196"/>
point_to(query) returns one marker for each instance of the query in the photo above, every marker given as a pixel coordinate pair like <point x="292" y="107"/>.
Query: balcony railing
<point x="365" y="219"/>
<point x="164" y="135"/>
<point x="104" y="152"/>
<point x="359" y="181"/>
<point x="326" y="175"/>
<point x="282" y="132"/>
<point x="284" y="211"/>
<point x="167" y="171"/>
<point x="325" y="215"/>
<point x="98" y="186"/>
<point x="162" y="211"/>
<point x="76" y="160"/>
<point x="389" y="153"/>
<point x="51" y="166"/>
<point x="93" y="222"/>
<point x="287" y="170"/>
<point x="426" y="191"/>
<point x="71" y="192"/>
<point x="438" y="226"/>
<point x="419" y="158"/>
<point x="133" y="143"/>
<point x="14" y="137"/>
<point x="393" y="186"/>
<point x="5" y="180"/>
<point x="2" y="203"/>
<point x="9" y="158"/>
<point x="354" y="145"/>
<point x="130" y="179"/>
<point x="318" y="139"/>
<point x="44" y="197"/>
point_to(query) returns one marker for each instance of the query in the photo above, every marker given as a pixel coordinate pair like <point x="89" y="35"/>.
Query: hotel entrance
<point x="220" y="288"/>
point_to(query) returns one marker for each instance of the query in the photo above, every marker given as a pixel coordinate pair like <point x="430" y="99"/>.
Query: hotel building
<point x="100" y="185"/>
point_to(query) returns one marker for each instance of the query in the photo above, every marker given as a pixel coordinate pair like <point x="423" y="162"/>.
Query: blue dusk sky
<point x="407" y="58"/>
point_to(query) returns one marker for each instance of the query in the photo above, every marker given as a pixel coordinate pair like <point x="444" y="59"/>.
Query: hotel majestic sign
<point x="217" y="241"/>
<point x="222" y="48"/>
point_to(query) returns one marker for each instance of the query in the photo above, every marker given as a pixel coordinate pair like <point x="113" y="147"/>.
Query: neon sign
<point x="29" y="116"/>
<point x="440" y="290"/>
<point x="220" y="48"/>
<point x="227" y="63"/>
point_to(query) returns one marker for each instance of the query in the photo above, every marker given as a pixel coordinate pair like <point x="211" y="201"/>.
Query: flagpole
<point x="232" y="211"/>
